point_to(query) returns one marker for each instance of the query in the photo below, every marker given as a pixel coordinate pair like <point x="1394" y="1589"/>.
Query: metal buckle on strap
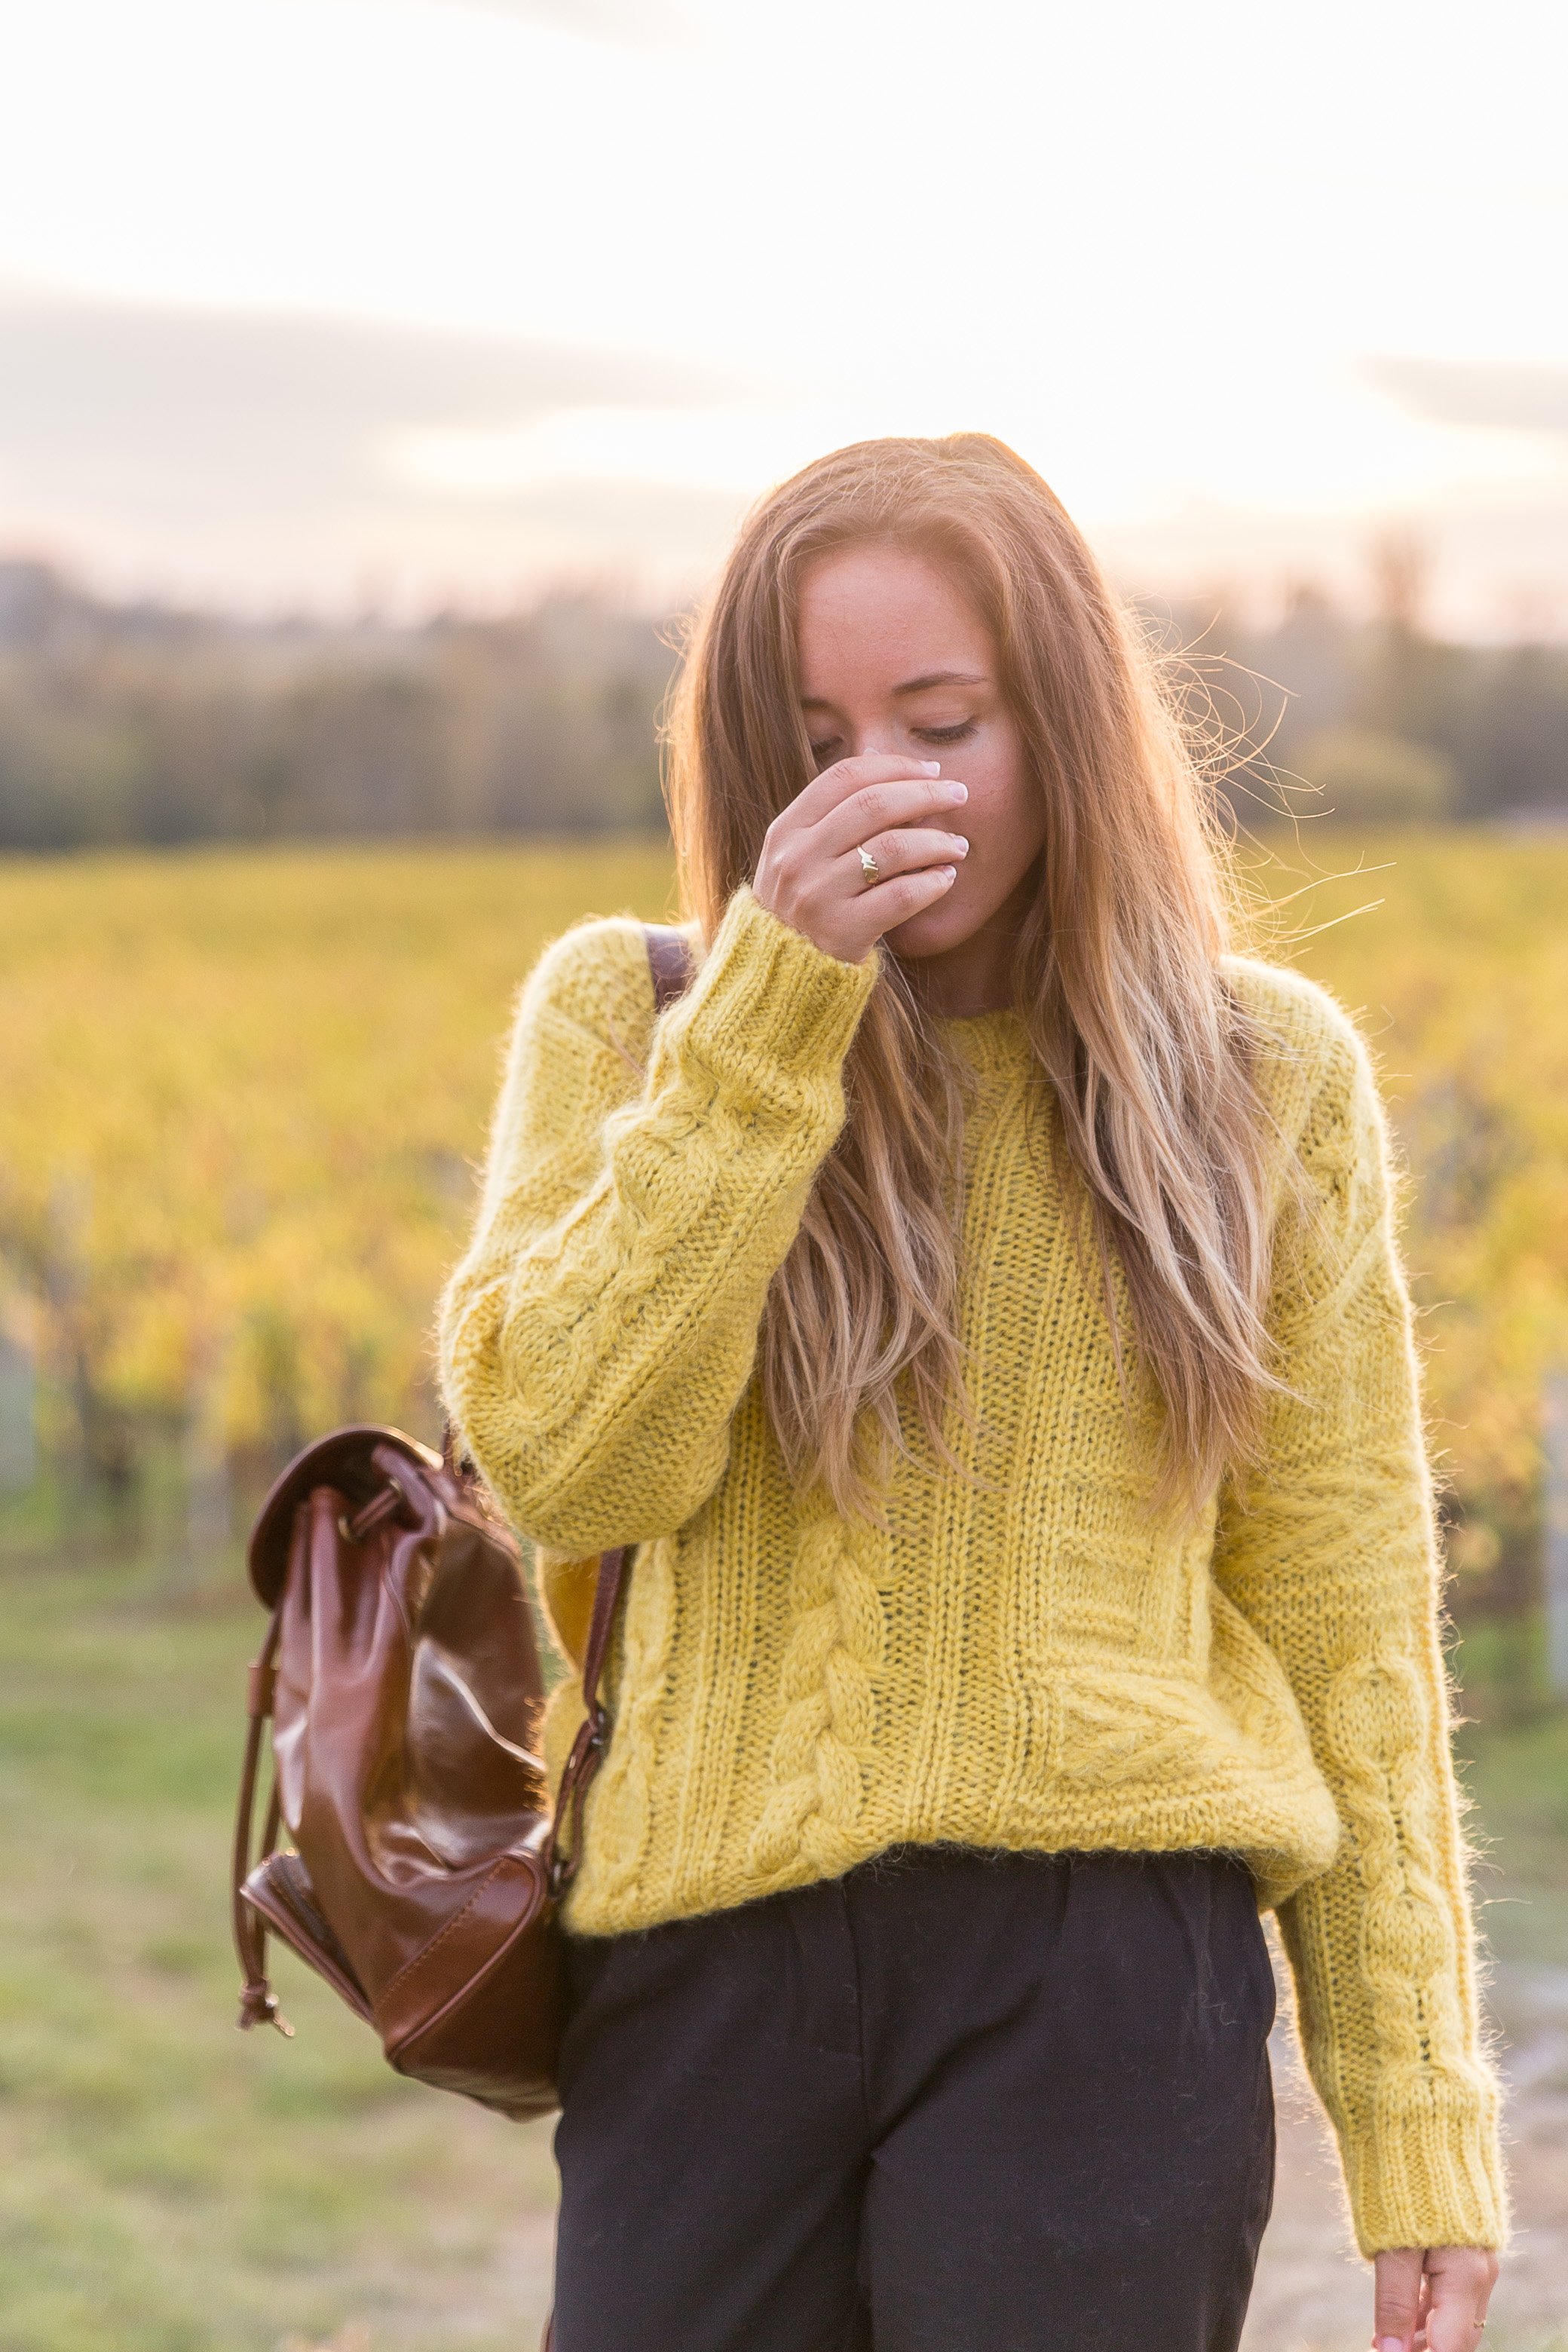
<point x="385" y="1504"/>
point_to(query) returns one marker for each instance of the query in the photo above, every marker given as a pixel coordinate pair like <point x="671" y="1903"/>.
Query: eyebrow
<point x="916" y="685"/>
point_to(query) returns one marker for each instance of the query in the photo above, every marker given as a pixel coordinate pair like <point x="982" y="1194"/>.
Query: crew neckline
<point x="995" y="1045"/>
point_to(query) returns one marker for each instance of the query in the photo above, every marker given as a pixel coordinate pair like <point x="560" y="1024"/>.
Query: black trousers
<point x="953" y="2102"/>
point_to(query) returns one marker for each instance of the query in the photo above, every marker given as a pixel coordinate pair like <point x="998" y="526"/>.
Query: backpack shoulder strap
<point x="670" y="961"/>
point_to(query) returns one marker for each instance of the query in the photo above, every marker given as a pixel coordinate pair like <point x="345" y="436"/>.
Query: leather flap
<point x="342" y="1460"/>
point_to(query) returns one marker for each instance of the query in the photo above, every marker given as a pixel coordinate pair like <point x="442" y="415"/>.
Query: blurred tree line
<point x="142" y="723"/>
<point x="1378" y="718"/>
<point x="138" y="723"/>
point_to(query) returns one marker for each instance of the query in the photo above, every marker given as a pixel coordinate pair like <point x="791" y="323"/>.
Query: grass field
<point x="240" y="1102"/>
<point x="241" y="1098"/>
<point x="166" y="2184"/>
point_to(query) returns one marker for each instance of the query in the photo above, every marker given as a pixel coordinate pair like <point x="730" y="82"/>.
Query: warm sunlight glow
<point x="1214" y="274"/>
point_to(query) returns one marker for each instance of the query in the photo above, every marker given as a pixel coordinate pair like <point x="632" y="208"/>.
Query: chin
<point x="933" y="931"/>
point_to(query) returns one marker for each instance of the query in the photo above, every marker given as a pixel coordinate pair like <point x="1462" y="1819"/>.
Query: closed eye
<point x="832" y="749"/>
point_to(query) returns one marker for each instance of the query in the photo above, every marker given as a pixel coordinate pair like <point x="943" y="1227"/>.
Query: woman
<point x="976" y="1299"/>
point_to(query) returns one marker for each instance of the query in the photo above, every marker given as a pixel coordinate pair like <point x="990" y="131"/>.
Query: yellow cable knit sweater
<point x="1024" y="1659"/>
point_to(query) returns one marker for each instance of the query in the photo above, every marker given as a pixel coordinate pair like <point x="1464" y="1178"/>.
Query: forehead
<point x="877" y="616"/>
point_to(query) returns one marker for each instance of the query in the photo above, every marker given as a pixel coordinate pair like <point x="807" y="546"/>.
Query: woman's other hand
<point x="1432" y="2301"/>
<point x="810" y="875"/>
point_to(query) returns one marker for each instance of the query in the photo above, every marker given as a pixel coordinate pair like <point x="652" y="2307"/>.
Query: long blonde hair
<point x="1156" y="1121"/>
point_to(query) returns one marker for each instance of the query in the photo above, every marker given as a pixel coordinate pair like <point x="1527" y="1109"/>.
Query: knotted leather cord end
<point x="258" y="2006"/>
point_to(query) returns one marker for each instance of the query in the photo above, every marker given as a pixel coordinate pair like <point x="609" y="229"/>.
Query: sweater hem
<point x="1279" y="1868"/>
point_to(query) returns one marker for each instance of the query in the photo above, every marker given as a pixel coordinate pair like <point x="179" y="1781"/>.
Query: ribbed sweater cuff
<point x="1428" y="2174"/>
<point x="766" y="991"/>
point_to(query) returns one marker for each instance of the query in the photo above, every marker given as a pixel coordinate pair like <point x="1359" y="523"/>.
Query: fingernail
<point x="952" y="874"/>
<point x="1390" y="2344"/>
<point x="961" y="842"/>
<point x="957" y="791"/>
<point x="931" y="767"/>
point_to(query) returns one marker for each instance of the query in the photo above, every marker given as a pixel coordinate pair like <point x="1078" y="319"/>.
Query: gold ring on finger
<point x="869" y="866"/>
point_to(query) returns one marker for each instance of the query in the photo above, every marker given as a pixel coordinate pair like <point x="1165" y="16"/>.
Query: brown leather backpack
<point x="401" y="1677"/>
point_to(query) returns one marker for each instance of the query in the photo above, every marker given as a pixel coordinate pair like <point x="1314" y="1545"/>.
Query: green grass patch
<point x="167" y="2184"/>
<point x="1517" y="1775"/>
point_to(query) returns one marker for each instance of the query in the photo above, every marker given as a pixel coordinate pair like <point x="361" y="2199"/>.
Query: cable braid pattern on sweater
<point x="828" y="1729"/>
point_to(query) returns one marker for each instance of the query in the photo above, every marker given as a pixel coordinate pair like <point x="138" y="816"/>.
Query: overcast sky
<point x="320" y="298"/>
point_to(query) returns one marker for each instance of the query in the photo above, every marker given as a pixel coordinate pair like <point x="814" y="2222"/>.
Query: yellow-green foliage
<point x="242" y="1095"/>
<point x="241" y="1100"/>
<point x="1457" y="971"/>
<point x="1369" y="778"/>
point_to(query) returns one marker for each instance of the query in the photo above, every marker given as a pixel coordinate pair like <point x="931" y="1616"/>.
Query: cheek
<point x="1005" y="815"/>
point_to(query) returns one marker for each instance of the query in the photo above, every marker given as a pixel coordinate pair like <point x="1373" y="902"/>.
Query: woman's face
<point x="893" y="658"/>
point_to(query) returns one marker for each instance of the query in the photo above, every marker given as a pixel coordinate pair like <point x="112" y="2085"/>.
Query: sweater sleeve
<point x="1329" y="1547"/>
<point x="599" y="1332"/>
